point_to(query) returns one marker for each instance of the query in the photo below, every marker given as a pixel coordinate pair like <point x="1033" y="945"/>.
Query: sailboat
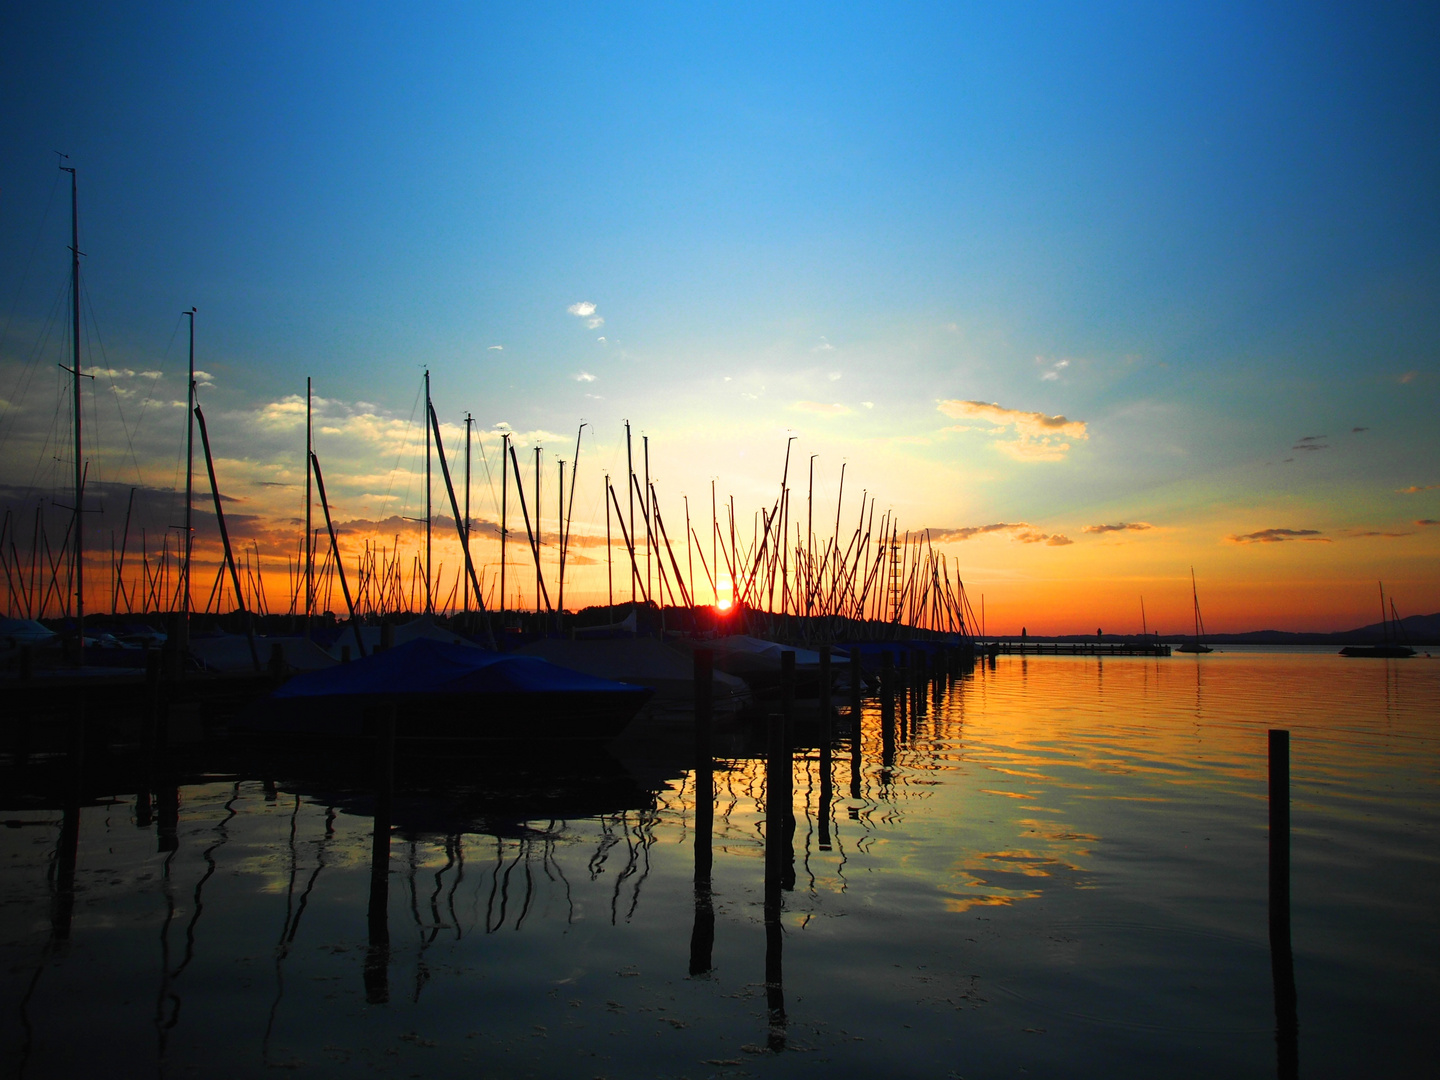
<point x="1195" y="646"/>
<point x="1387" y="648"/>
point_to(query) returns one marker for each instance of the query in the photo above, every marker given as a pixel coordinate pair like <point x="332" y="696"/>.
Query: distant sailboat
<point x="1195" y="646"/>
<point x="1387" y="648"/>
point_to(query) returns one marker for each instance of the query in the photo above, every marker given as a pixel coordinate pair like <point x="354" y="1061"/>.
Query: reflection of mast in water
<point x="166" y="994"/>
<point x="294" y="910"/>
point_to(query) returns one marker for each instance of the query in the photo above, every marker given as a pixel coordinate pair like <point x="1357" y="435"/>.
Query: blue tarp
<point x="426" y="666"/>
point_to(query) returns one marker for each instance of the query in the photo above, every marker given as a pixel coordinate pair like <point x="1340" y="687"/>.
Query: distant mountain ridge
<point x="1411" y="630"/>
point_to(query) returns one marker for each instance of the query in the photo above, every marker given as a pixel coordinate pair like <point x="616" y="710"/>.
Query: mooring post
<point x="1282" y="960"/>
<point x="702" y="935"/>
<point x="856" y="684"/>
<point x="827" y="734"/>
<point x="887" y="710"/>
<point x="377" y="959"/>
<point x="787" y="708"/>
<point x="704" y="763"/>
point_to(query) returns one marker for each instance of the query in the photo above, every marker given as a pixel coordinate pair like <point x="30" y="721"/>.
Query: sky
<point x="1094" y="293"/>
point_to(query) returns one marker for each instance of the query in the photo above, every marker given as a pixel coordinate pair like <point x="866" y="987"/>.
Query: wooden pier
<point x="1077" y="648"/>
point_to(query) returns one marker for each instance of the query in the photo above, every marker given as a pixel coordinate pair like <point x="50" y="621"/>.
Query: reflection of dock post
<point x="826" y="735"/>
<point x="1282" y="960"/>
<point x="377" y="959"/>
<point x="702" y="936"/>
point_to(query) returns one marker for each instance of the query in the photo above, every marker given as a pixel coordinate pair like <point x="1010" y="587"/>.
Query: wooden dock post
<point x="787" y="779"/>
<point x="702" y="935"/>
<point x="827" y="736"/>
<point x="1282" y="960"/>
<point x="377" y="958"/>
<point x="887" y="710"/>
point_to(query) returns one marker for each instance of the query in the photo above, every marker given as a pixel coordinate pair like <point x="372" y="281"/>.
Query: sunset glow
<point x="1147" y="304"/>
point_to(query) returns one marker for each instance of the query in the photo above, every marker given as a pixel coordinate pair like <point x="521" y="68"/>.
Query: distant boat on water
<point x="1387" y="649"/>
<point x="1196" y="646"/>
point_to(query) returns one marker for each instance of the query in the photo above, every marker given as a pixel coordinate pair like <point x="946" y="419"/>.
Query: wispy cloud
<point x="595" y="323"/>
<point x="1312" y="442"/>
<point x="824" y="346"/>
<point x="867" y="404"/>
<point x="584" y="309"/>
<point x="1384" y="535"/>
<point x="584" y="376"/>
<point x="1020" y="531"/>
<point x="497" y="348"/>
<point x="1053" y="370"/>
<point x="835" y="376"/>
<point x="1038" y="437"/>
<point x="1119" y="526"/>
<point x="1279" y="536"/>
<point x="820" y="408"/>
<point x="1415" y="489"/>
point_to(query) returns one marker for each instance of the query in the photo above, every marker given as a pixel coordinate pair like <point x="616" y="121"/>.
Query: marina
<point x="1055" y="864"/>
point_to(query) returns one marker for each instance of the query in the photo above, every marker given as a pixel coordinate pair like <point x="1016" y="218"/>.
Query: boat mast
<point x="75" y="371"/>
<point x="189" y="470"/>
<point x="538" y="581"/>
<point x="469" y="420"/>
<point x="1195" y="600"/>
<point x="630" y="489"/>
<point x="504" y="530"/>
<point x="309" y="499"/>
<point x="429" y="600"/>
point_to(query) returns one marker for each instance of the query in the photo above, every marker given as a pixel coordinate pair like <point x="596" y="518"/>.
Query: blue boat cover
<point x="426" y="666"/>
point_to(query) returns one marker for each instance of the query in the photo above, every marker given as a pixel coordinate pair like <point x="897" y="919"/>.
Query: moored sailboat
<point x="1197" y="645"/>
<point x="1387" y="649"/>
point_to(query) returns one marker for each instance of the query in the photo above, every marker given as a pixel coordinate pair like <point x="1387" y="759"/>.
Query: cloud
<point x="595" y="323"/>
<point x="496" y="348"/>
<point x="835" y="376"/>
<point x="1386" y="535"/>
<point x="867" y="404"/>
<point x="1052" y="373"/>
<point x="820" y="408"/>
<point x="1415" y="489"/>
<point x="112" y="373"/>
<point x="204" y="378"/>
<point x="1311" y="442"/>
<point x="1427" y="521"/>
<point x="601" y="339"/>
<point x="584" y="309"/>
<point x="1038" y="437"/>
<point x="1357" y="430"/>
<point x="1408" y="377"/>
<point x="824" y="346"/>
<point x="1119" y="526"/>
<point x="584" y="376"/>
<point x="1020" y="531"/>
<point x="1278" y="536"/>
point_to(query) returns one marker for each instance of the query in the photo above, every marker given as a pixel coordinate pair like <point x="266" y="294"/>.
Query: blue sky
<point x="1205" y="232"/>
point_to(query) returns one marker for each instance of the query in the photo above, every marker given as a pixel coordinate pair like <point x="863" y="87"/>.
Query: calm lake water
<point x="1057" y="867"/>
